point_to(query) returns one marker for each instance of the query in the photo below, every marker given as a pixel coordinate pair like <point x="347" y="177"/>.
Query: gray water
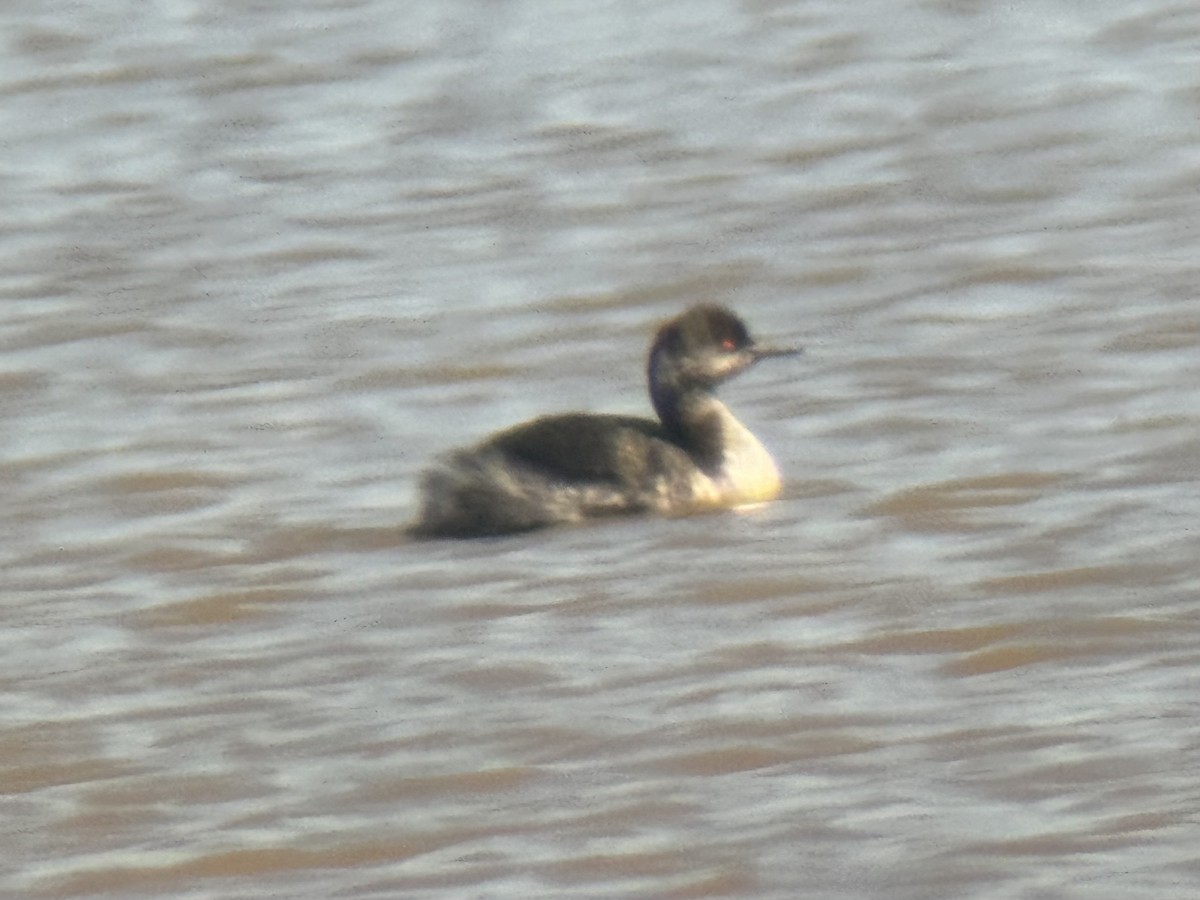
<point x="261" y="262"/>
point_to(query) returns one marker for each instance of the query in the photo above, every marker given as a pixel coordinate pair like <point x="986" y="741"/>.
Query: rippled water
<point x="260" y="263"/>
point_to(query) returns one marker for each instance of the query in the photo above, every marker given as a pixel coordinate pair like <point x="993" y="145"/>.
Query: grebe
<point x="576" y="466"/>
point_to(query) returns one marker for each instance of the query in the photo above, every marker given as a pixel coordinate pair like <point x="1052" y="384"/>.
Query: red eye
<point x="728" y="344"/>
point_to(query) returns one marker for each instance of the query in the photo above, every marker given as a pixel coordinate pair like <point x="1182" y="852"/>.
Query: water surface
<point x="260" y="265"/>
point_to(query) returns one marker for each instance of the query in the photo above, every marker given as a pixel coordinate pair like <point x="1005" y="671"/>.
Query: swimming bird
<point x="576" y="466"/>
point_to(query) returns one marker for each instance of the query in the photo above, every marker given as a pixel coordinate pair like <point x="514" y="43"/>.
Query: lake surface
<point x="259" y="264"/>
